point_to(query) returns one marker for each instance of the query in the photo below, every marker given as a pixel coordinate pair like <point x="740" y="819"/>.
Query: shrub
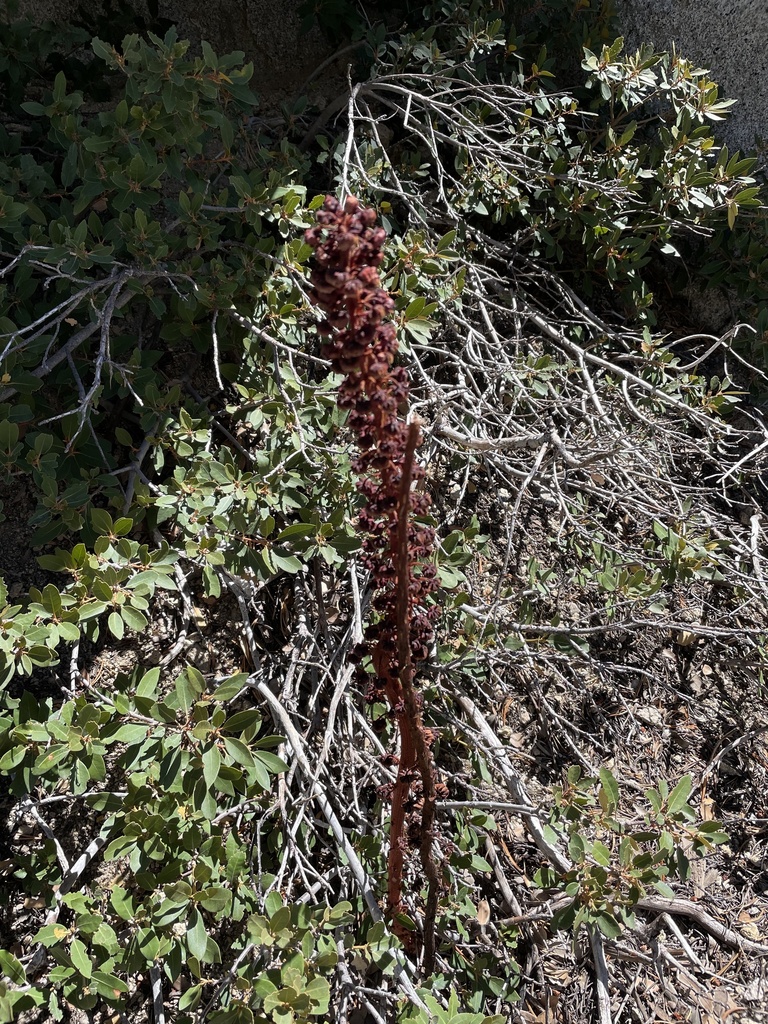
<point x="165" y="414"/>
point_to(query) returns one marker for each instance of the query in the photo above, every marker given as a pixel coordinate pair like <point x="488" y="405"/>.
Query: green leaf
<point x="49" y="758"/>
<point x="101" y="521"/>
<point x="148" y="685"/>
<point x="11" y="758"/>
<point x="197" y="936"/>
<point x="148" y="942"/>
<point x="108" y="986"/>
<point x="446" y="241"/>
<point x="577" y="847"/>
<point x="68" y="631"/>
<point x="261" y="776"/>
<point x="50" y="934"/>
<point x="239" y="753"/>
<point x="80" y="958"/>
<point x="274" y="764"/>
<point x="242" y="721"/>
<point x="127" y="733"/>
<point x="189" y="685"/>
<point x="116" y="625"/>
<point x="215" y="899"/>
<point x="608" y="925"/>
<point x="601" y="853"/>
<point x="88" y="924"/>
<point x="609" y="791"/>
<point x="664" y="889"/>
<point x="340" y="912"/>
<point x="211" y="765"/>
<point x="230" y="687"/>
<point x="191" y="998"/>
<point x="212" y="582"/>
<point x="285" y="563"/>
<point x="36" y="109"/>
<point x="679" y="795"/>
<point x="297" y="530"/>
<point x="12" y="968"/>
<point x="273" y="903"/>
<point x="103" y="51"/>
<point x="122" y="903"/>
<point x="319" y="991"/>
<point x="283" y="997"/>
<point x="134" y="618"/>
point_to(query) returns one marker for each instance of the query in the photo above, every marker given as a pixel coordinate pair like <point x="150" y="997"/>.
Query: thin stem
<point x="414" y="726"/>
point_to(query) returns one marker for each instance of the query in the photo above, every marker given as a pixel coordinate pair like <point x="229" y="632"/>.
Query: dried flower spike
<point x="361" y="344"/>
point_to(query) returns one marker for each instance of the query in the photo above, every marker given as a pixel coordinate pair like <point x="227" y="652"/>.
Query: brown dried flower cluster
<point x="361" y="343"/>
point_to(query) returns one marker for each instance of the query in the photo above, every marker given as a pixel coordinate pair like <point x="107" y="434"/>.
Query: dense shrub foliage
<point x="171" y="433"/>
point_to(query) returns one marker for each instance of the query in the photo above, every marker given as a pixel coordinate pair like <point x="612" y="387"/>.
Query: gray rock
<point x="730" y="37"/>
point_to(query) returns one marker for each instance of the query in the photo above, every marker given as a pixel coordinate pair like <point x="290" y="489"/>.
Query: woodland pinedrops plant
<point x="397" y="547"/>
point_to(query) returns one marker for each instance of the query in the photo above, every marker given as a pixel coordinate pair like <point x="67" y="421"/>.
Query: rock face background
<point x="730" y="37"/>
<point x="267" y="30"/>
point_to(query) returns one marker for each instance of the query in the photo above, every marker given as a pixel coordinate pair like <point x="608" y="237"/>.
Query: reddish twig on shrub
<point x="397" y="548"/>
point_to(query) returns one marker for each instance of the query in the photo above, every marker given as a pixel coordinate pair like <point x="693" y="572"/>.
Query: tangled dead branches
<point x="628" y="510"/>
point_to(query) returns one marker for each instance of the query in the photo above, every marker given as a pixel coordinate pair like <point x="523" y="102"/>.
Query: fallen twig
<point x="686" y="908"/>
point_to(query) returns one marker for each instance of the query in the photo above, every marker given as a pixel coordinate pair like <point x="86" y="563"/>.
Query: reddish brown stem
<point x="413" y="723"/>
<point x="397" y="842"/>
